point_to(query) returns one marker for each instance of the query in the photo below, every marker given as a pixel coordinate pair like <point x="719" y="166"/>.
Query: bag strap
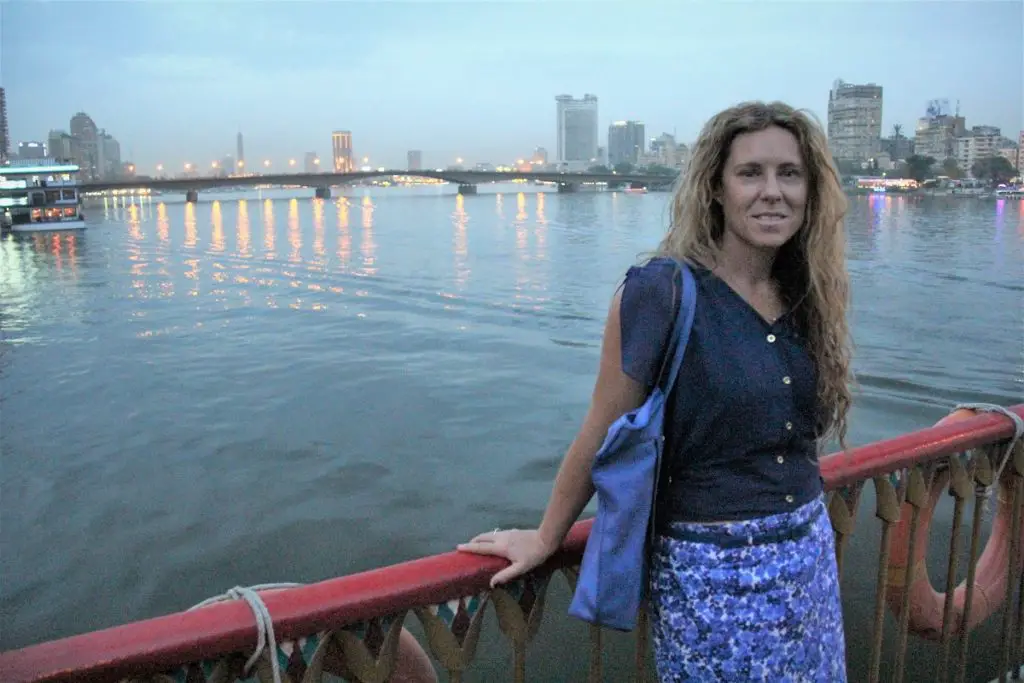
<point x="682" y="325"/>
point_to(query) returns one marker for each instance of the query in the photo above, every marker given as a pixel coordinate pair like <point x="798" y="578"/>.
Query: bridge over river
<point x="322" y="182"/>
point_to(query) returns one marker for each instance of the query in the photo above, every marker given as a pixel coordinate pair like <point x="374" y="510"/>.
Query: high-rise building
<point x="86" y="145"/>
<point x="414" y="160"/>
<point x="1020" y="153"/>
<point x="978" y="143"/>
<point x="5" y="139"/>
<point x="109" y="166"/>
<point x="31" y="150"/>
<point x="625" y="142"/>
<point x="540" y="156"/>
<point x="937" y="131"/>
<point x="855" y="121"/>
<point x="60" y="146"/>
<point x="311" y="163"/>
<point x="576" y="130"/>
<point x="665" y="151"/>
<point x="341" y="146"/>
<point x="240" y="153"/>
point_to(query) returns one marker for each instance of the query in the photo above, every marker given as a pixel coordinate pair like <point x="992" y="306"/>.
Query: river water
<point x="269" y="387"/>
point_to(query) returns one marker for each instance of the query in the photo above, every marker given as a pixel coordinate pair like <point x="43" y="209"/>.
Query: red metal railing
<point x="355" y="618"/>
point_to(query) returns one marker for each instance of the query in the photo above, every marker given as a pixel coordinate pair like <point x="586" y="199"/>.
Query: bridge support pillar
<point x="192" y="196"/>
<point x="567" y="187"/>
<point x="323" y="192"/>
<point x="467" y="189"/>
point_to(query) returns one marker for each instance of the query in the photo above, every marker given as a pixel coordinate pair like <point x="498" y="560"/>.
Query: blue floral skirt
<point x="756" y="600"/>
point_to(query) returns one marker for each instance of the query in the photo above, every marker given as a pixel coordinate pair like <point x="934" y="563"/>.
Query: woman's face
<point x="764" y="188"/>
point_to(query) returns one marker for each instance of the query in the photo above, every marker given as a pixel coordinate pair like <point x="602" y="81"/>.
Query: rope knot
<point x="264" y="622"/>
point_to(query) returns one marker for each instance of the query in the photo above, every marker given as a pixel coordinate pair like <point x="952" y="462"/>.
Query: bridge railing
<point x="354" y="622"/>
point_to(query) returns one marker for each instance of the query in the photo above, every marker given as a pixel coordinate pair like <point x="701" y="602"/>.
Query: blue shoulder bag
<point x="613" y="574"/>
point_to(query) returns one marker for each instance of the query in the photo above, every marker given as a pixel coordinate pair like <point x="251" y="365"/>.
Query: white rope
<point x="1018" y="433"/>
<point x="264" y="622"/>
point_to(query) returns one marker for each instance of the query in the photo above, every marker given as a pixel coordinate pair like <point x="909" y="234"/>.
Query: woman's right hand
<point x="523" y="548"/>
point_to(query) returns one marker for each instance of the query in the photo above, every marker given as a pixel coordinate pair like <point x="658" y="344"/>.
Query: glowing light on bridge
<point x="267" y="163"/>
<point x="291" y="162"/>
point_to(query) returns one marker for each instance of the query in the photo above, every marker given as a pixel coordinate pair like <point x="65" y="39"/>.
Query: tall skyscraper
<point x="86" y="145"/>
<point x="61" y="146"/>
<point x="414" y="159"/>
<point x="5" y="136"/>
<point x="577" y="129"/>
<point x="240" y="152"/>
<point x="625" y="142"/>
<point x="341" y="146"/>
<point x="109" y="165"/>
<point x="855" y="121"/>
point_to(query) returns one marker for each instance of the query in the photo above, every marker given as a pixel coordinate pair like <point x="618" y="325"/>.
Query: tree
<point x="600" y="168"/>
<point x="996" y="169"/>
<point x="919" y="167"/>
<point x="897" y="131"/>
<point x="951" y="169"/>
<point x="624" y="167"/>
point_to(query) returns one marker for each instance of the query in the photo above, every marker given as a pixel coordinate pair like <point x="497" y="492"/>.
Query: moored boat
<point x="42" y="197"/>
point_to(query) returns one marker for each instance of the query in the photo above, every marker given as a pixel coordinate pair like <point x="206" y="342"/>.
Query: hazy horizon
<point x="175" y="81"/>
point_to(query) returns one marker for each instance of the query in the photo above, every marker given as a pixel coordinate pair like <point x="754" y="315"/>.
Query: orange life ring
<point x="926" y="604"/>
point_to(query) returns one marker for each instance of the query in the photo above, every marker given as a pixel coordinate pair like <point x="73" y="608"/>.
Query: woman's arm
<point x="615" y="394"/>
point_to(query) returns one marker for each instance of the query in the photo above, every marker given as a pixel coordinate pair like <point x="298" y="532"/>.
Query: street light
<point x="291" y="162"/>
<point x="267" y="163"/>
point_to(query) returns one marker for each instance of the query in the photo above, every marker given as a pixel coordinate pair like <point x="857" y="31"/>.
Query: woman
<point x="743" y="575"/>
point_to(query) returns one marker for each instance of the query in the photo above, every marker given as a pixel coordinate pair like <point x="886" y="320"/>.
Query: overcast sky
<point x="175" y="81"/>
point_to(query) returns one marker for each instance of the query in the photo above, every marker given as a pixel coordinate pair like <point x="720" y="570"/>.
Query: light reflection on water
<point x="403" y="372"/>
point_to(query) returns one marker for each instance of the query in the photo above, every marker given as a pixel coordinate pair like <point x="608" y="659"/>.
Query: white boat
<point x="41" y="197"/>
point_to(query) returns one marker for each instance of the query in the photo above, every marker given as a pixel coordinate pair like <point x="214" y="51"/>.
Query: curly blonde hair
<point x="810" y="268"/>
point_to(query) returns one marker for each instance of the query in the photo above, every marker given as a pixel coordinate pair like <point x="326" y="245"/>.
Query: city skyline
<point x="475" y="87"/>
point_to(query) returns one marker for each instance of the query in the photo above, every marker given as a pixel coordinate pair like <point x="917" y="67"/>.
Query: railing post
<point x="842" y="512"/>
<point x="960" y="486"/>
<point x="918" y="485"/>
<point x="1015" y="576"/>
<point x="520" y="606"/>
<point x="982" y="480"/>
<point x="887" y="509"/>
<point x="572" y="575"/>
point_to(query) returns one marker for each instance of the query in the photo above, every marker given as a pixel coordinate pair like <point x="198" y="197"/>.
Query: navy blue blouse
<point x="740" y="439"/>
